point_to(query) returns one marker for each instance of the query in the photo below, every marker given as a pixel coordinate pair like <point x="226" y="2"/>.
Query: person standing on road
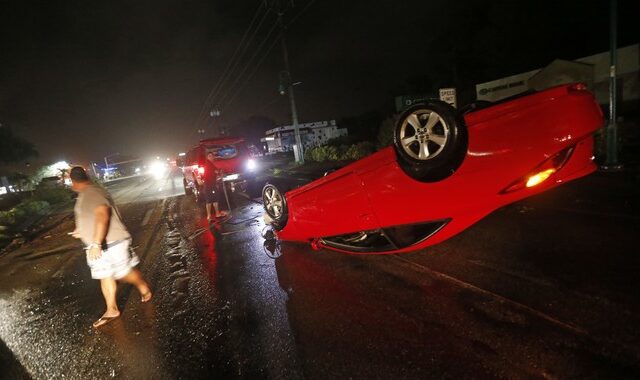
<point x="211" y="188"/>
<point x="107" y="241"/>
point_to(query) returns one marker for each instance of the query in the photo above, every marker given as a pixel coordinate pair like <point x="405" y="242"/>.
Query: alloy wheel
<point x="423" y="134"/>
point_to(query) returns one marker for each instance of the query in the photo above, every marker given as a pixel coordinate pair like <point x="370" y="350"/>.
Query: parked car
<point x="445" y="171"/>
<point x="231" y="156"/>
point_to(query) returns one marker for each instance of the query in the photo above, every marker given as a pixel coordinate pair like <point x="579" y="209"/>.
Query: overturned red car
<point x="445" y="171"/>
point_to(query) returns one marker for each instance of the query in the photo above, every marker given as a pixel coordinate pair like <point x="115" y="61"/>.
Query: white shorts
<point x="115" y="262"/>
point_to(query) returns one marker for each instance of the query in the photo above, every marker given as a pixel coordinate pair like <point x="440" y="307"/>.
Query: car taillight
<point x="201" y="170"/>
<point x="542" y="172"/>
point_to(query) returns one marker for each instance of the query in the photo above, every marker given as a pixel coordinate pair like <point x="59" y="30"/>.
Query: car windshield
<point x="222" y="152"/>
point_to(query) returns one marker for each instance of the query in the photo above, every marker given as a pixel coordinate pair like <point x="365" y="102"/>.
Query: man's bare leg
<point x="208" y="206"/>
<point x="109" y="288"/>
<point x="134" y="277"/>
<point x="219" y="213"/>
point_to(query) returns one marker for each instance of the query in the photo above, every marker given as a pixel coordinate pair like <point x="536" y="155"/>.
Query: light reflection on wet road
<point x="226" y="308"/>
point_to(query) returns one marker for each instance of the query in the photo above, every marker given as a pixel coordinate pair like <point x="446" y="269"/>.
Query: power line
<point x="266" y="105"/>
<point x="296" y="17"/>
<point x="213" y="92"/>
<point x="238" y="60"/>
<point x="250" y="61"/>
<point x="235" y="61"/>
<point x="301" y="12"/>
<point x="255" y="69"/>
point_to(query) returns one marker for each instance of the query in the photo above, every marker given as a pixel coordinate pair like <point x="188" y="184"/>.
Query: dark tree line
<point x="14" y="148"/>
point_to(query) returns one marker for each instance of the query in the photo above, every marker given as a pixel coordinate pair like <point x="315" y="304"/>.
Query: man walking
<point x="99" y="226"/>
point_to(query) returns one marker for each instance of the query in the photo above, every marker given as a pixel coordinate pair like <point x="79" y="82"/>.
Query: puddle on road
<point x="191" y="320"/>
<point x="48" y="329"/>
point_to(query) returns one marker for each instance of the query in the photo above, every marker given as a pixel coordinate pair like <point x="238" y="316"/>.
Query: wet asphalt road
<point x="546" y="288"/>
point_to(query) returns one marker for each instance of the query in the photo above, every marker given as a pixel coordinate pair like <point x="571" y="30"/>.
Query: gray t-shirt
<point x="88" y="200"/>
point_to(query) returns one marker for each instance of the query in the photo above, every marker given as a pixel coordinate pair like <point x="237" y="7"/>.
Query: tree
<point x="14" y="148"/>
<point x="362" y="127"/>
<point x="385" y="133"/>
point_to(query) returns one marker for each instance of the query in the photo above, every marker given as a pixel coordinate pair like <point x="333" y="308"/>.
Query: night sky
<point x="84" y="79"/>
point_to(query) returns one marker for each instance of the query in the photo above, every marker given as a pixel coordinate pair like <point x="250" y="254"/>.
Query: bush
<point x="308" y="154"/>
<point x="340" y="153"/>
<point x="385" y="133"/>
<point x="342" y="141"/>
<point x="7" y="217"/>
<point x="23" y="211"/>
<point x="358" y="151"/>
<point x="52" y="195"/>
<point x="322" y="153"/>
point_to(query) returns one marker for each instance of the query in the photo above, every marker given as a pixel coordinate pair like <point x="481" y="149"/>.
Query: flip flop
<point x="146" y="297"/>
<point x="104" y="320"/>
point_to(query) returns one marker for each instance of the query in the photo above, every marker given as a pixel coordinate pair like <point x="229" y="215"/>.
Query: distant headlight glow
<point x="158" y="169"/>
<point x="251" y="164"/>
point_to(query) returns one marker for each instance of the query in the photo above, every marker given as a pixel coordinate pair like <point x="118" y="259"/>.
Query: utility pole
<point x="299" y="154"/>
<point x="611" y="163"/>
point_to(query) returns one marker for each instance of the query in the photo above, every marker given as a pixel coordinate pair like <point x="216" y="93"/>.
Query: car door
<point x="343" y="204"/>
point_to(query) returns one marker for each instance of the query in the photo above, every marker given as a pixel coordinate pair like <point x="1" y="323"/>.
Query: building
<point x="592" y="70"/>
<point x="282" y="139"/>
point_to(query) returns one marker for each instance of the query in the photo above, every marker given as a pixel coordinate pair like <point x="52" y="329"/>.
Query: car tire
<point x="430" y="140"/>
<point x="187" y="190"/>
<point x="275" y="205"/>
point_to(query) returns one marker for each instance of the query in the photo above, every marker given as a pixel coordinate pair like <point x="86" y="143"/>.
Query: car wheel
<point x="430" y="141"/>
<point x="275" y="205"/>
<point x="187" y="190"/>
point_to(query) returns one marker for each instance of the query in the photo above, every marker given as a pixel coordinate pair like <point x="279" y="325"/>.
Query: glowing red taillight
<point x="542" y="172"/>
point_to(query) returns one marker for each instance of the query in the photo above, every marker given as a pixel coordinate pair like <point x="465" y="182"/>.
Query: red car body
<point x="507" y="142"/>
